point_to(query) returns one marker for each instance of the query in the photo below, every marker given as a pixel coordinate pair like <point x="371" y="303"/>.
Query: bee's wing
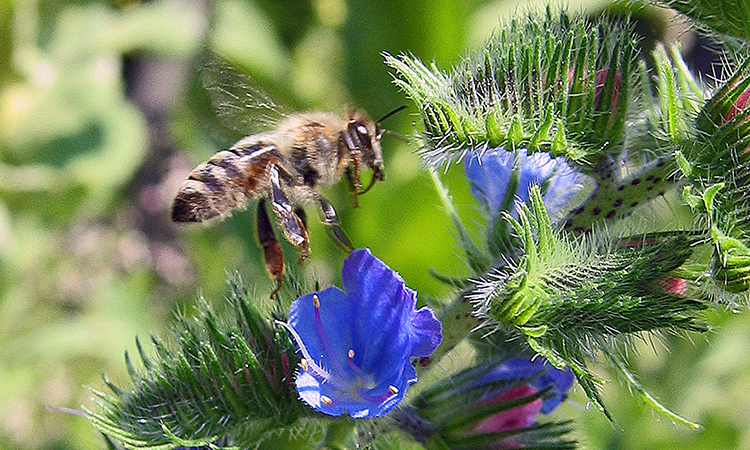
<point x="240" y="105"/>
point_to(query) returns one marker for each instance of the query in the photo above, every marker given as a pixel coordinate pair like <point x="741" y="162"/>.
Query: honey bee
<point x="286" y="167"/>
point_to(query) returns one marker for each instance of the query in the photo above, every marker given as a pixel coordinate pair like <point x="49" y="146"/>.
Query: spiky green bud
<point x="716" y="163"/>
<point x="571" y="299"/>
<point x="565" y="86"/>
<point x="720" y="152"/>
<point x="664" y="105"/>
<point x="228" y="375"/>
<point x="543" y="82"/>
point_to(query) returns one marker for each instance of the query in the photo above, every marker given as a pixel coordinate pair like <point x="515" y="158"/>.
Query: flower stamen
<point x="350" y="361"/>
<point x="326" y="400"/>
<point x="322" y="333"/>
<point x="307" y="362"/>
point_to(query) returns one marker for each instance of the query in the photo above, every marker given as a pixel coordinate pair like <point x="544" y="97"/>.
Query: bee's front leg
<point x="355" y="184"/>
<point x="291" y="223"/>
<point x="272" y="255"/>
<point x="331" y="220"/>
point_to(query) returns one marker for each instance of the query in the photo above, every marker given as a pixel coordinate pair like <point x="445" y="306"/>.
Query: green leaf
<point x="648" y="398"/>
<point x="726" y="17"/>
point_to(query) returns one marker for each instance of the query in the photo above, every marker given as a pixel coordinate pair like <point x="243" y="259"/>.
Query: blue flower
<point x="356" y="345"/>
<point x="498" y="177"/>
<point x="542" y="375"/>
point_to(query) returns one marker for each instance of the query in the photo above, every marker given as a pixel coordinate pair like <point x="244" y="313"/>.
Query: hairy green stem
<point x="477" y="261"/>
<point x="613" y="200"/>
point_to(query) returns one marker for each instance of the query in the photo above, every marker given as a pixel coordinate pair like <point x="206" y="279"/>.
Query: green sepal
<point x="710" y="194"/>
<point x="685" y="167"/>
<point x="731" y="269"/>
<point x="495" y="132"/>
<point x="695" y="202"/>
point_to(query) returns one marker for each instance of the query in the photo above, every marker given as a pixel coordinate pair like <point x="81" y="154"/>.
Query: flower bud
<point x="490" y="406"/>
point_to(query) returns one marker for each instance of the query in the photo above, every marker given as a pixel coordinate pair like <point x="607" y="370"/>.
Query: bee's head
<point x="362" y="136"/>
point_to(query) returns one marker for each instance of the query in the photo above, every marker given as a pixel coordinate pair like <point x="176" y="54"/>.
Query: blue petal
<point x="310" y="390"/>
<point x="374" y="321"/>
<point x="544" y="373"/>
<point x="561" y="382"/>
<point x="490" y="176"/>
<point x="427" y="332"/>
<point x="533" y="170"/>
<point x="334" y="305"/>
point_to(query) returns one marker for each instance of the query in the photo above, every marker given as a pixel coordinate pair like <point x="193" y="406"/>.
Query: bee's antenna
<point x="394" y="134"/>
<point x="381" y="131"/>
<point x="399" y="109"/>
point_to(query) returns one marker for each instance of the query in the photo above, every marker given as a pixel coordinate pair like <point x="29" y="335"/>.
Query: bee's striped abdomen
<point x="225" y="182"/>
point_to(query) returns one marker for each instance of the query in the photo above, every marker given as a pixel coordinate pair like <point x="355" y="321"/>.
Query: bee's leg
<point x="272" y="255"/>
<point x="300" y="213"/>
<point x="331" y="220"/>
<point x="302" y="216"/>
<point x="352" y="175"/>
<point x="291" y="223"/>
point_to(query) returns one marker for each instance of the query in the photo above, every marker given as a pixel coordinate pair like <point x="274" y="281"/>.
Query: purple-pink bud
<point x="743" y="101"/>
<point x="522" y="416"/>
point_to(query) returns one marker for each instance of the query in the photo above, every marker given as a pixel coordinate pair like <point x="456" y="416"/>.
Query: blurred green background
<point x="102" y="115"/>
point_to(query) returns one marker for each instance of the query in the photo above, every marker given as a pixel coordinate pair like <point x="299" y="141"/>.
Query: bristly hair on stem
<point x="220" y="375"/>
<point x="574" y="299"/>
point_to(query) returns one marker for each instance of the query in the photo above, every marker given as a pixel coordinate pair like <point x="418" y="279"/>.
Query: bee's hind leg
<point x="272" y="255"/>
<point x="290" y="220"/>
<point x="331" y="220"/>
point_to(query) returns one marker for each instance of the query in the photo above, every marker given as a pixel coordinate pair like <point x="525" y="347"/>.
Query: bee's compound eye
<point x="358" y="137"/>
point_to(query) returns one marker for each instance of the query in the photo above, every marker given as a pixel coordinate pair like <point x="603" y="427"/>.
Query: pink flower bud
<point x="673" y="285"/>
<point x="522" y="416"/>
<point x="743" y="101"/>
<point x="601" y="78"/>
